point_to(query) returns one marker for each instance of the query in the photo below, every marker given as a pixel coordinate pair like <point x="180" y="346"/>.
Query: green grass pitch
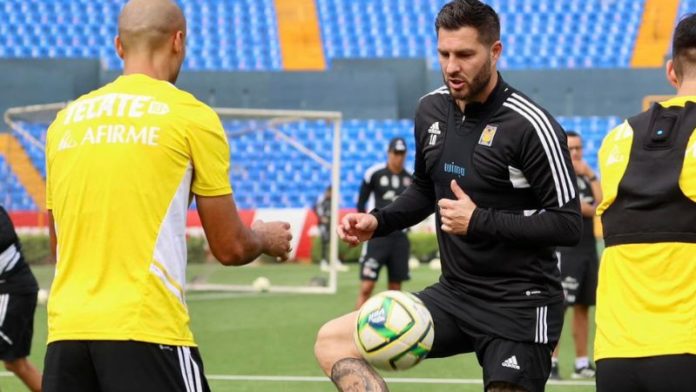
<point x="273" y="334"/>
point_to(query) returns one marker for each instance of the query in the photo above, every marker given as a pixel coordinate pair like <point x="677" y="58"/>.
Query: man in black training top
<point x="382" y="184"/>
<point x="495" y="169"/>
<point x="579" y="264"/>
<point x="18" y="290"/>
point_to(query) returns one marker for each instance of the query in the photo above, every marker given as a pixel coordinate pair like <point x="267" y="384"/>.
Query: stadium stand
<point x="243" y="34"/>
<point x="685" y="7"/>
<point x="229" y="34"/>
<point x="36" y="154"/>
<point x="13" y="196"/>
<point x="267" y="172"/>
<point x="536" y="34"/>
<point x="592" y="129"/>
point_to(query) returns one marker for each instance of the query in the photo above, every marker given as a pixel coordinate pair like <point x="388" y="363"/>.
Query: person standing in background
<point x="18" y="296"/>
<point x="382" y="184"/>
<point x="579" y="264"/>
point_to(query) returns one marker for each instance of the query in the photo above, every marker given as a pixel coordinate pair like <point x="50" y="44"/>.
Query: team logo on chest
<point x="434" y="131"/>
<point x="487" y="135"/>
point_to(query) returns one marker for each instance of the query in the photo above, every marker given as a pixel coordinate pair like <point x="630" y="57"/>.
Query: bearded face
<point x="467" y="64"/>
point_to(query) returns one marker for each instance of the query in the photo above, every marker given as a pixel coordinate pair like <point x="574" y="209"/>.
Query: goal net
<point x="282" y="162"/>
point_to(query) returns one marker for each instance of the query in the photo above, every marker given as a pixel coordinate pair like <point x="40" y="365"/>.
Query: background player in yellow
<point x="123" y="163"/>
<point x="646" y="299"/>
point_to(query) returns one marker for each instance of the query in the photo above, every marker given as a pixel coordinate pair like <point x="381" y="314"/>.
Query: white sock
<point x="554" y="361"/>
<point x="581" y="362"/>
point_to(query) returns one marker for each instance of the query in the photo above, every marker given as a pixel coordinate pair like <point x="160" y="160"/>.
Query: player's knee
<point x="334" y="341"/>
<point x="501" y="386"/>
<point x="326" y="338"/>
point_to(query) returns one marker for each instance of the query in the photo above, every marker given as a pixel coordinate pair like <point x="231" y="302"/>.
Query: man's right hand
<point x="356" y="228"/>
<point x="275" y="237"/>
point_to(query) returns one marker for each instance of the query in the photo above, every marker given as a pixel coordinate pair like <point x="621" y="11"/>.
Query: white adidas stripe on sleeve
<point x="565" y="191"/>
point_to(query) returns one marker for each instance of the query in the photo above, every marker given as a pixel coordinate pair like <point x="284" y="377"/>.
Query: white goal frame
<point x="47" y="112"/>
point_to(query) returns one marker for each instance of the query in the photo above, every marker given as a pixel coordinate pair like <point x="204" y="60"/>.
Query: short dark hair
<point x="572" y="133"/>
<point x="684" y="45"/>
<point x="470" y="13"/>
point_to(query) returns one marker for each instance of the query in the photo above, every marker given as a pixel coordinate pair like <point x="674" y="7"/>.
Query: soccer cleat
<point x="584" y="372"/>
<point x="341" y="267"/>
<point x="325" y="267"/>
<point x="555" y="374"/>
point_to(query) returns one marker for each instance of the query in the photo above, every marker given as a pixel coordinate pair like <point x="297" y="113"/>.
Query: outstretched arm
<point x="231" y="242"/>
<point x="416" y="203"/>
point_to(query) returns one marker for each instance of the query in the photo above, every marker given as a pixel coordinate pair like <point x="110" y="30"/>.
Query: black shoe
<point x="587" y="372"/>
<point x="555" y="374"/>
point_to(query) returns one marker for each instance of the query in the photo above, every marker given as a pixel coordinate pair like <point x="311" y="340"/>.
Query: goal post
<point x="275" y="118"/>
<point x="29" y="123"/>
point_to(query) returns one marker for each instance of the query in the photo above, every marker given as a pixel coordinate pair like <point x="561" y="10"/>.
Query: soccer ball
<point x="261" y="284"/>
<point x="42" y="296"/>
<point x="394" y="330"/>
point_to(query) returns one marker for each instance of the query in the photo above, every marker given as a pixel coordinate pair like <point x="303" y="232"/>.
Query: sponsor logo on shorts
<point x="370" y="267"/>
<point x="511" y="363"/>
<point x="570" y="283"/>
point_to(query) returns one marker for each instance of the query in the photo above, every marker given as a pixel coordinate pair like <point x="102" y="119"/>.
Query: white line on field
<point x="190" y="296"/>
<point x="405" y="380"/>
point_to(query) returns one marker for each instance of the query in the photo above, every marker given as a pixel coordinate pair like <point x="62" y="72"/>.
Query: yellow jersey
<point x="122" y="163"/>
<point x="646" y="297"/>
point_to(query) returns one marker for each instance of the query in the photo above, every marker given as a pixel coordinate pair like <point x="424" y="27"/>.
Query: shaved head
<point x="152" y="38"/>
<point x="147" y="25"/>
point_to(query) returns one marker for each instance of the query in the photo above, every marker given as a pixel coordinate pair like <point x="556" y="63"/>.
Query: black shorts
<point x="673" y="373"/>
<point x="16" y="325"/>
<point x="122" y="366"/>
<point x="579" y="272"/>
<point x="512" y="344"/>
<point x="393" y="251"/>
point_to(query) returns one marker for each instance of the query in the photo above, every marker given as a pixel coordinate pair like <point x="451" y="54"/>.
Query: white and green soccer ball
<point x="394" y="330"/>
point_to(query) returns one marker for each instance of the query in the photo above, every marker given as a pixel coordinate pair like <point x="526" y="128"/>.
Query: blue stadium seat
<point x="38" y="28"/>
<point x="266" y="172"/>
<point x="243" y="34"/>
<point x="531" y="30"/>
<point x="13" y="196"/>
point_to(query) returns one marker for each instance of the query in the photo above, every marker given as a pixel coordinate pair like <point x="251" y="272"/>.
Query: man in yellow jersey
<point x="646" y="299"/>
<point x="123" y="163"/>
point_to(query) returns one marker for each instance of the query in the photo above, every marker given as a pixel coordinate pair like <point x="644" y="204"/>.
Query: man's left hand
<point x="456" y="214"/>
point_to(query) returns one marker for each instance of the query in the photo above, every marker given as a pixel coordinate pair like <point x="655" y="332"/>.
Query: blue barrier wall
<point x="361" y="89"/>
